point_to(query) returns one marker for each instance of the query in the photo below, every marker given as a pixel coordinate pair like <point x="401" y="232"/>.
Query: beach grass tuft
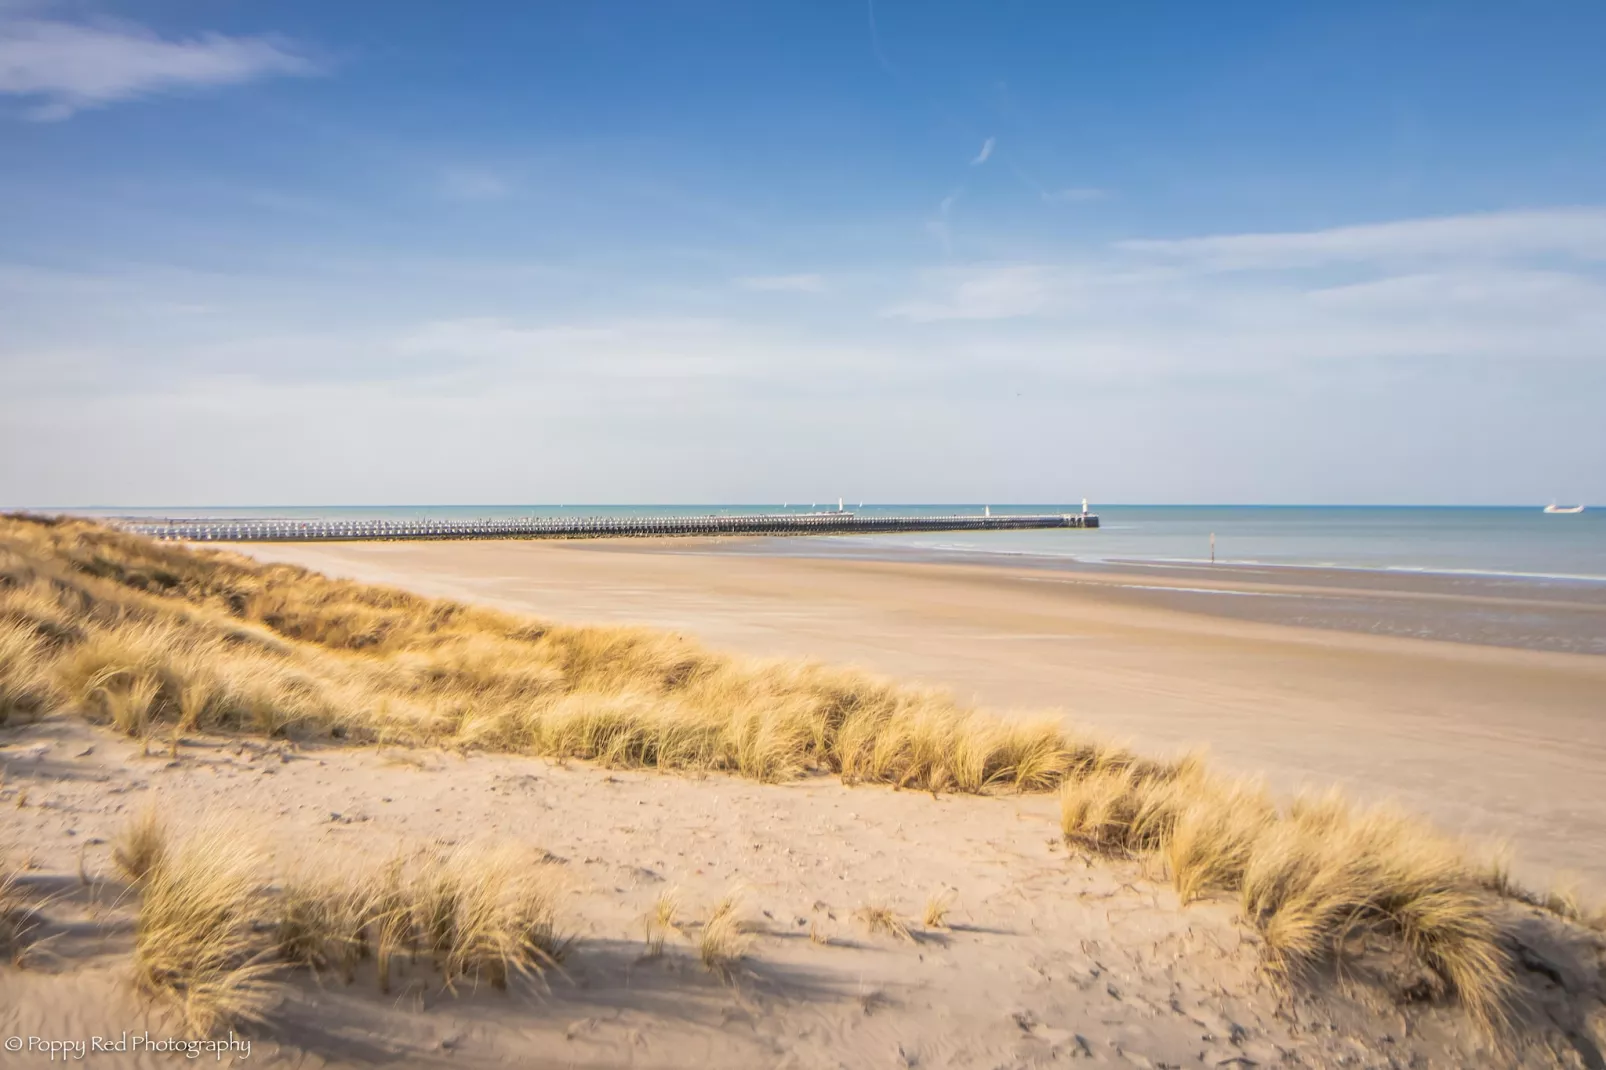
<point x="938" y="906"/>
<point x="18" y="918"/>
<point x="141" y="845"/>
<point x="726" y="937"/>
<point x="215" y="938"/>
<point x="196" y="944"/>
<point x="662" y="920"/>
<point x="880" y="918"/>
<point x="1315" y="878"/>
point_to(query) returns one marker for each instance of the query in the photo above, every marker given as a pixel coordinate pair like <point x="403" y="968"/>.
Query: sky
<point x="897" y="251"/>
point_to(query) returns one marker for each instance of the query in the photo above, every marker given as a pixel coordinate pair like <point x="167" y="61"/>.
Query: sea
<point x="1500" y="576"/>
<point x="1495" y="541"/>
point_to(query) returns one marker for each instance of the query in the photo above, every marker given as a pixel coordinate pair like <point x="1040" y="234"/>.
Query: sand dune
<point x="1047" y="958"/>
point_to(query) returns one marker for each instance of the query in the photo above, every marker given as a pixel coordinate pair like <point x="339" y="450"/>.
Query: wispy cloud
<point x="65" y="67"/>
<point x="986" y="292"/>
<point x="473" y="184"/>
<point x="1075" y="195"/>
<point x="1579" y="232"/>
<point x="875" y="41"/>
<point x="939" y="227"/>
<point x="1189" y="369"/>
<point x="805" y="283"/>
<point x="1523" y="285"/>
<point x="985" y="153"/>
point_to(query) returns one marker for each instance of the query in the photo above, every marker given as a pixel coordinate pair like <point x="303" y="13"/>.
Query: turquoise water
<point x="1494" y="541"/>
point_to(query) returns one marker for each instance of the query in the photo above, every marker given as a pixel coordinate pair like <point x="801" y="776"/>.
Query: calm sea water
<point x="1472" y="540"/>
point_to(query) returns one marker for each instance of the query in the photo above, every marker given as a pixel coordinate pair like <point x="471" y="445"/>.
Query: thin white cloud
<point x="66" y="67"/>
<point x="1360" y="372"/>
<point x="474" y="184"/>
<point x="986" y="151"/>
<point x="1075" y="195"/>
<point x="939" y="227"/>
<point x="1579" y="232"/>
<point x="805" y="283"/>
<point x="986" y="292"/>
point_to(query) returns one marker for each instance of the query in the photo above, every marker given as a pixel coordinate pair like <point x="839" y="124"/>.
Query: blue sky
<point x="420" y="252"/>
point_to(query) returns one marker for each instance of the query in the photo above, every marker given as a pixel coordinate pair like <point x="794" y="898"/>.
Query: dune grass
<point x="726" y="937"/>
<point x="215" y="939"/>
<point x="17" y="918"/>
<point x="478" y="915"/>
<point x="138" y="849"/>
<point x="880" y="918"/>
<point x="197" y="944"/>
<point x="1318" y="879"/>
<point x="938" y="906"/>
<point x="150" y="637"/>
<point x="662" y="920"/>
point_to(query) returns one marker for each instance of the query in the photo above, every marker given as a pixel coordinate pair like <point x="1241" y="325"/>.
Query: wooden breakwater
<point x="838" y="523"/>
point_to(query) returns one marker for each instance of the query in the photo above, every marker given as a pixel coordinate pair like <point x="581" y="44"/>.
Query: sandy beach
<point x="1502" y="744"/>
<point x="1046" y="957"/>
<point x="812" y="920"/>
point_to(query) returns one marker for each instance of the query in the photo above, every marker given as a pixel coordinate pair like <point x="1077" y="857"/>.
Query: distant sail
<point x="1554" y="508"/>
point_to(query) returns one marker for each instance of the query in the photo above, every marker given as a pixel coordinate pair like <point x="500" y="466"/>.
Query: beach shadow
<point x="332" y="1019"/>
<point x="43" y="769"/>
<point x="1559" y="978"/>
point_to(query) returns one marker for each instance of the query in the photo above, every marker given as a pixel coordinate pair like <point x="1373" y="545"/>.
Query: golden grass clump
<point x="880" y="918"/>
<point x="1212" y="836"/>
<point x="1316" y="880"/>
<point x="17" y="917"/>
<point x="212" y="937"/>
<point x="196" y="941"/>
<point x="726" y="937"/>
<point x="505" y="920"/>
<point x="323" y="923"/>
<point x="481" y="915"/>
<point x="141" y="845"/>
<point x="661" y="920"/>
<point x="938" y="906"/>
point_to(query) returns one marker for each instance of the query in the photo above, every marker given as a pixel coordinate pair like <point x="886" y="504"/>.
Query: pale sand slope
<point x="1499" y="743"/>
<point x="1050" y="957"/>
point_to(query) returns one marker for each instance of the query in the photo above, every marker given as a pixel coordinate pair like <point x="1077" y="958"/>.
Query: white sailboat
<point x="1554" y="508"/>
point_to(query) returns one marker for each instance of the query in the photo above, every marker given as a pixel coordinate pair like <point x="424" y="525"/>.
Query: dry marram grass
<point x="879" y="918"/>
<point x="661" y="920"/>
<point x="479" y="915"/>
<point x="140" y="846"/>
<point x="145" y="636"/>
<point x="725" y="938"/>
<point x="196" y="943"/>
<point x="938" y="906"/>
<point x="1316" y="878"/>
<point x="17" y="917"/>
<point x="213" y="936"/>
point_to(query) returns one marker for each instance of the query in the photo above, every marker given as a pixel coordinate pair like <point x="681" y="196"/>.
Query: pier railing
<point x="839" y="523"/>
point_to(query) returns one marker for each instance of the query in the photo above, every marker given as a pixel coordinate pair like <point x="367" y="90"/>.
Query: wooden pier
<point x="837" y="523"/>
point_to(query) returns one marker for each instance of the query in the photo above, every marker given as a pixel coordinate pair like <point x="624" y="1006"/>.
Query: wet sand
<point x="1492" y="740"/>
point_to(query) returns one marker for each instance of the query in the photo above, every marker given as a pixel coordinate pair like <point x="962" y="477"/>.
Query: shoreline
<point x="1503" y="610"/>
